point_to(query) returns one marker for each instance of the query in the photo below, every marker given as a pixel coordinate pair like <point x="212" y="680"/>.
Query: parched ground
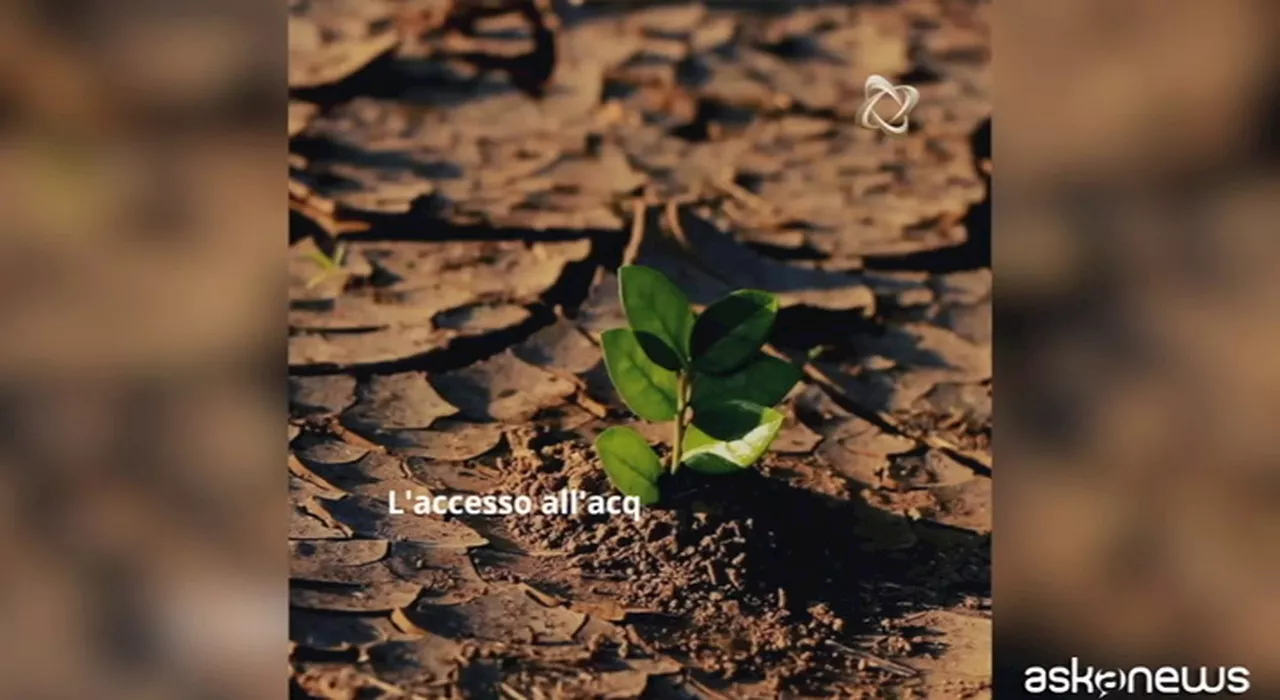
<point x="464" y="181"/>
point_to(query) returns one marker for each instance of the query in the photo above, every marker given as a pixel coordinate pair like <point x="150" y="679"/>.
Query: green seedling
<point x="704" y="373"/>
<point x="329" y="267"/>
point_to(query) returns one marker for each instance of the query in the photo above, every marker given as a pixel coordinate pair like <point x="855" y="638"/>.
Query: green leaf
<point x="632" y="466"/>
<point x="647" y="389"/>
<point x="658" y="312"/>
<point x="731" y="330"/>
<point x="764" y="380"/>
<point x="729" y="437"/>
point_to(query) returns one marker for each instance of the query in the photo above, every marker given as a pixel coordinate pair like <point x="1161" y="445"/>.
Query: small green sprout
<point x="705" y="374"/>
<point x="329" y="267"/>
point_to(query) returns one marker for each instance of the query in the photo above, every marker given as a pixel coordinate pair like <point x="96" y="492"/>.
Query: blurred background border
<point x="142" y="147"/>
<point x="1136" y="251"/>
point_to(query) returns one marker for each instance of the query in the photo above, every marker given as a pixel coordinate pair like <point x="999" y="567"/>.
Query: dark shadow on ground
<point x="841" y="554"/>
<point x="824" y="549"/>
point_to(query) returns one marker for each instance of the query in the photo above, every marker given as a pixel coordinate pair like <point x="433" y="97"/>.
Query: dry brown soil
<point x="479" y="175"/>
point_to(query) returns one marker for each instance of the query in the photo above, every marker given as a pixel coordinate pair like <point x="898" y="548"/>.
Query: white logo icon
<point x="878" y="86"/>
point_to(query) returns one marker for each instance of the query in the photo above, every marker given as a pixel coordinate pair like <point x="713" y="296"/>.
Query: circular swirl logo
<point x="877" y="88"/>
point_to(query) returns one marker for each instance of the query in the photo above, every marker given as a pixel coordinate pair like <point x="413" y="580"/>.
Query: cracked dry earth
<point x="475" y="184"/>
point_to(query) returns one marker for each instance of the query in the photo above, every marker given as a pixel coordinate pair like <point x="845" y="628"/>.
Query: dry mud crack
<point x="454" y="233"/>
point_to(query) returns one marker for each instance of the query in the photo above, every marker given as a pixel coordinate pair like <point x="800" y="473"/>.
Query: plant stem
<point x="682" y="400"/>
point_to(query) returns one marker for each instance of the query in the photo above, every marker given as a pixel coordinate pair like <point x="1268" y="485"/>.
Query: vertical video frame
<point x="639" y="349"/>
